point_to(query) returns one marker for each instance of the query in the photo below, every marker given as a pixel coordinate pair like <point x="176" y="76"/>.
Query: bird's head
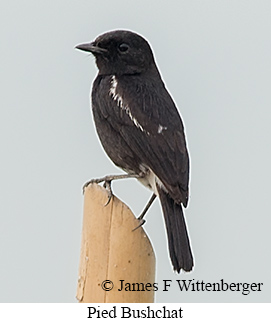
<point x="120" y="52"/>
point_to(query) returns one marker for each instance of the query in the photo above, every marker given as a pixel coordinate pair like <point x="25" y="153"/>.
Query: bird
<point x="141" y="130"/>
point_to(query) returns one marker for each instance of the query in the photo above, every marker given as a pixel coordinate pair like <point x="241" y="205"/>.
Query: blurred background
<point x="214" y="57"/>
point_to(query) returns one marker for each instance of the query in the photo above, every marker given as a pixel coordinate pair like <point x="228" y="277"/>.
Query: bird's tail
<point x="178" y="240"/>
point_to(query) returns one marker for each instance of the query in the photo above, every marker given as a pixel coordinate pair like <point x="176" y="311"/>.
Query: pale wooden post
<point x="111" y="250"/>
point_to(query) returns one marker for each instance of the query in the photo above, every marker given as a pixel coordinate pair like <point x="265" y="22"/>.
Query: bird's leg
<point x="107" y="186"/>
<point x="110" y="178"/>
<point x="140" y="218"/>
<point x="147" y="206"/>
<point x="107" y="182"/>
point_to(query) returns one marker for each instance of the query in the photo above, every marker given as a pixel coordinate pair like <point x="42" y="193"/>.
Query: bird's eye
<point x="123" y="47"/>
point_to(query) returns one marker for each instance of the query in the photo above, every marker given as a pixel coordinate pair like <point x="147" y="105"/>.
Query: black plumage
<point x="141" y="130"/>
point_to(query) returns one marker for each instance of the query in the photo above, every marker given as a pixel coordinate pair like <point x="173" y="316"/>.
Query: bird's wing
<point x="148" y="121"/>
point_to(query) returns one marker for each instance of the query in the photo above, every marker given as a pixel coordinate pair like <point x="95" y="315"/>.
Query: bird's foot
<point x="141" y="222"/>
<point x="107" y="185"/>
<point x="107" y="182"/>
<point x="110" y="178"/>
<point x="104" y="179"/>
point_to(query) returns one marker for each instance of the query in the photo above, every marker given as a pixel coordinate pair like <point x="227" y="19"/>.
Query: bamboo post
<point x="111" y="252"/>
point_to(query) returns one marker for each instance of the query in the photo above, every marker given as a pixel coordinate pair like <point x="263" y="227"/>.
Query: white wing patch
<point x="118" y="98"/>
<point x="161" y="128"/>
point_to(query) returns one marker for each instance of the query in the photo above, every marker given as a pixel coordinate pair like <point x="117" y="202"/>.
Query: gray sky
<point x="214" y="57"/>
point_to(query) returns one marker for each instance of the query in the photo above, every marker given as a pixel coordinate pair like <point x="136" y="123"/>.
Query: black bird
<point x="141" y="130"/>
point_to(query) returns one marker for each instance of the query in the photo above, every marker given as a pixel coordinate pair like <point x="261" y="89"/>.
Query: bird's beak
<point x="91" y="47"/>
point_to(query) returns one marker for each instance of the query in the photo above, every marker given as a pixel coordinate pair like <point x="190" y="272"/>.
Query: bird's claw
<point x="107" y="185"/>
<point x="86" y="185"/>
<point x="92" y="181"/>
<point x="141" y="222"/>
